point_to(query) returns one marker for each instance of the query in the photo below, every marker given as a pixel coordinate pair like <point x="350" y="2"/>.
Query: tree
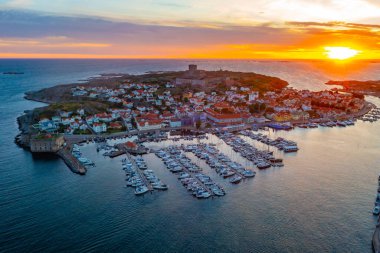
<point x="262" y="107"/>
<point x="254" y="108"/>
<point x="270" y="110"/>
<point x="198" y="124"/>
<point x="225" y="110"/>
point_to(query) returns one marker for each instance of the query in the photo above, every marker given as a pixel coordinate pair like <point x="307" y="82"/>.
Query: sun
<point x="340" y="53"/>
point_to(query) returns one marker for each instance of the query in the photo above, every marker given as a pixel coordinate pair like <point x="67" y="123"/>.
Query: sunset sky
<point x="239" y="29"/>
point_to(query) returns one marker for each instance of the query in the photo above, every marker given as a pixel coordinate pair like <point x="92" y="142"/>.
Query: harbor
<point x="325" y="185"/>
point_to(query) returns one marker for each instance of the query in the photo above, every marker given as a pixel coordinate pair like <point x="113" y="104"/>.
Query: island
<point x="190" y="101"/>
<point x="359" y="87"/>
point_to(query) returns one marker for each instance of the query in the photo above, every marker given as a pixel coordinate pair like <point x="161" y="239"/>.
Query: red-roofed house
<point x="223" y="118"/>
<point x="115" y="125"/>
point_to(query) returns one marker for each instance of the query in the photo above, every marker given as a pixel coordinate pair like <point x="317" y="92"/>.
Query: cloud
<point x="25" y="32"/>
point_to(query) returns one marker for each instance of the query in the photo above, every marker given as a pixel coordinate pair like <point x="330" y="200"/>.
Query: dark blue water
<point x="321" y="201"/>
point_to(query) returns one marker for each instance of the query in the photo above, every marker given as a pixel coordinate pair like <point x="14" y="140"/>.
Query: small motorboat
<point x="141" y="190"/>
<point x="228" y="173"/>
<point x="235" y="179"/>
<point x="162" y="187"/>
<point x="376" y="210"/>
<point x="263" y="165"/>
<point x="249" y="173"/>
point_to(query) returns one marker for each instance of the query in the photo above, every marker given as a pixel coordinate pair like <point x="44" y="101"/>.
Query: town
<point x="190" y="105"/>
<point x="144" y="107"/>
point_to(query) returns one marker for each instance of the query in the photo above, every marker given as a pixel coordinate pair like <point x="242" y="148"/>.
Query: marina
<point x="226" y="168"/>
<point x="199" y="184"/>
<point x="262" y="159"/>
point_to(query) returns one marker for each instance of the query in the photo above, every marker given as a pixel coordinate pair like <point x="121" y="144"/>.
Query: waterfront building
<point x="148" y="121"/>
<point x="196" y="77"/>
<point x="223" y="118"/>
<point x="45" y="143"/>
<point x="175" y="122"/>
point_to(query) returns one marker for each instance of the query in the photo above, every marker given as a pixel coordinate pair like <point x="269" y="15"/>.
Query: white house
<point x="253" y="96"/>
<point x="99" y="127"/>
<point x="175" y="123"/>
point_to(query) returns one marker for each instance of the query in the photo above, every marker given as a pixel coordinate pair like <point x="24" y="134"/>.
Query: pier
<point x="73" y="163"/>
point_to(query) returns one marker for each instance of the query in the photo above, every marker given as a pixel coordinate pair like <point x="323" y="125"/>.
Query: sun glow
<point x="340" y="53"/>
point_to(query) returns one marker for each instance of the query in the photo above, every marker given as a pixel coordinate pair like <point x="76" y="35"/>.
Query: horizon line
<point x="179" y="58"/>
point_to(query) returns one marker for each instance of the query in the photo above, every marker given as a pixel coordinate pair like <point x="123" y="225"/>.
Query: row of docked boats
<point x="339" y="123"/>
<point x="372" y="116"/>
<point x="199" y="184"/>
<point x="342" y="123"/>
<point x="133" y="178"/>
<point x="142" y="182"/>
<point x="222" y="164"/>
<point x="262" y="159"/>
<point x="280" y="143"/>
<point x="190" y="137"/>
<point x="78" y="155"/>
<point x="154" y="180"/>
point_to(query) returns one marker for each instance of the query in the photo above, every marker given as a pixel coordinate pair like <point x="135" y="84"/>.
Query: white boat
<point x="289" y="149"/>
<point x="85" y="161"/>
<point x="162" y="187"/>
<point x="235" y="179"/>
<point x="249" y="173"/>
<point x="263" y="165"/>
<point x="141" y="190"/>
<point x="376" y="210"/>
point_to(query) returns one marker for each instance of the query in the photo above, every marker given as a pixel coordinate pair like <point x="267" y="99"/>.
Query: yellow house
<point x="282" y="116"/>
